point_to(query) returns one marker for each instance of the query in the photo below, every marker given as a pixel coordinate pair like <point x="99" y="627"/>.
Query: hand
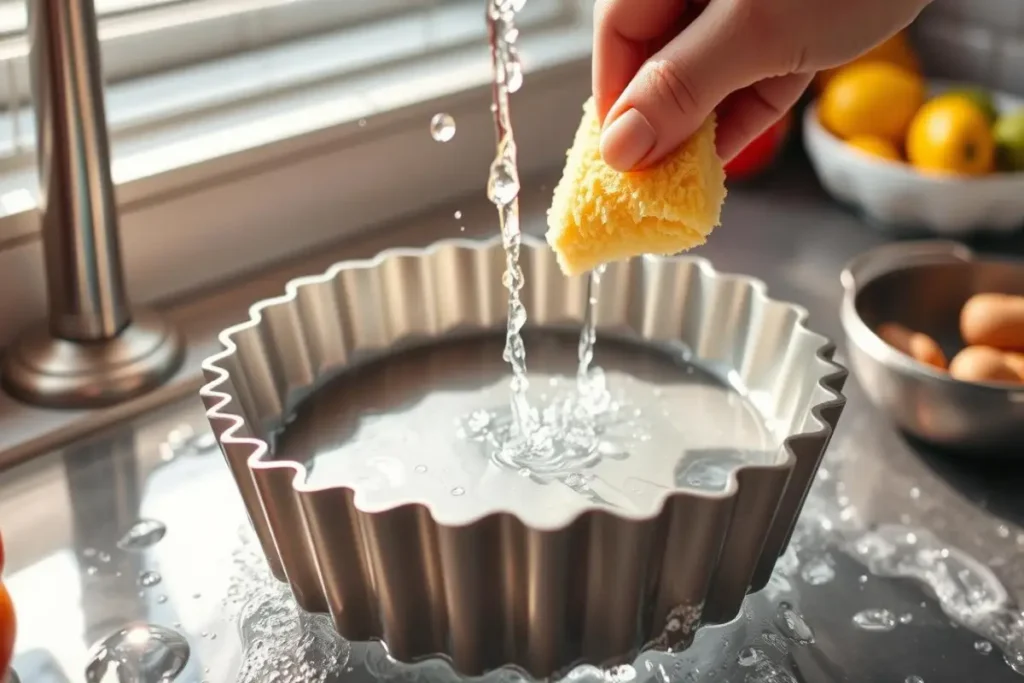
<point x="662" y="66"/>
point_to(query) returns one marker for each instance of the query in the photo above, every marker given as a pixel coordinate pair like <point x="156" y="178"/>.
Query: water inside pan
<point x="425" y="426"/>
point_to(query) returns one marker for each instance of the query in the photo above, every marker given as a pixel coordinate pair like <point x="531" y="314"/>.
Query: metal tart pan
<point x="490" y="590"/>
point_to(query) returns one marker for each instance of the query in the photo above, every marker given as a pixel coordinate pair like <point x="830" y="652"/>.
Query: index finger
<point x="625" y="35"/>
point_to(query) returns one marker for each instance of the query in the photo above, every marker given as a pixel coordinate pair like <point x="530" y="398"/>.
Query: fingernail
<point x="627" y="141"/>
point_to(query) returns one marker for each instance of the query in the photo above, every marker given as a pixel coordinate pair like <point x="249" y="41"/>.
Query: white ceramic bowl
<point x="898" y="197"/>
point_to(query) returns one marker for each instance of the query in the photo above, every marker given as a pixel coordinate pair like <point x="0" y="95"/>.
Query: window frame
<point x="287" y="171"/>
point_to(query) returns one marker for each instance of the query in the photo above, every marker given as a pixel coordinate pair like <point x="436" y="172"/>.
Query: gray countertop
<point x="885" y="520"/>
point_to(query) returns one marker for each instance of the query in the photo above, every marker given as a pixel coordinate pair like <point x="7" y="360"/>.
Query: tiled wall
<point x="981" y="41"/>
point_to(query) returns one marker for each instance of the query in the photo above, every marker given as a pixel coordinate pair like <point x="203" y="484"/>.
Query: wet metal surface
<point x="64" y="514"/>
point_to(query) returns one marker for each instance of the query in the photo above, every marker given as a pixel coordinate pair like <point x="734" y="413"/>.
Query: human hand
<point x="662" y="66"/>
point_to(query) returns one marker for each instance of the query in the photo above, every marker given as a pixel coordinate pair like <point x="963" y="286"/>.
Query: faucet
<point x="94" y="350"/>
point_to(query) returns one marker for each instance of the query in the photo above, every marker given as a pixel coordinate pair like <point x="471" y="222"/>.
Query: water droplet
<point x="362" y="123"/>
<point x="863" y="578"/>
<point x="1003" y="531"/>
<point x="458" y="215"/>
<point x="818" y="571"/>
<point x="138" y="653"/>
<point x="1015" y="660"/>
<point x="142" y="534"/>
<point x="103" y="557"/>
<point x="906" y="618"/>
<point x="89" y="552"/>
<point x="420" y="469"/>
<point x="442" y="127"/>
<point x="793" y="625"/>
<point x="161" y="599"/>
<point x="458" y="491"/>
<point x="915" y="493"/>
<point x="91" y="570"/>
<point x="196" y="596"/>
<point x="620" y="674"/>
<point x="748" y="656"/>
<point x="983" y="647"/>
<point x="148" y="579"/>
<point x="913" y="679"/>
<point x="875" y="620"/>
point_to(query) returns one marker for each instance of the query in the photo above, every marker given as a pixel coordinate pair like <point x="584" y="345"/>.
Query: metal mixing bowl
<point x="923" y="285"/>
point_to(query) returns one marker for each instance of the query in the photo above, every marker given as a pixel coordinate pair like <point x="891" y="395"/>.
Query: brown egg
<point x="917" y="345"/>
<point x="995" y="320"/>
<point x="983" y="364"/>
<point x="1015" y="361"/>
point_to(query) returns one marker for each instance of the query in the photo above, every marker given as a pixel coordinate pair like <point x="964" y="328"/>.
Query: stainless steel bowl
<point x="923" y="285"/>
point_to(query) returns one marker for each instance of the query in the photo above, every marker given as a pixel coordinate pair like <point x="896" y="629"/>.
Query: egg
<point x="983" y="364"/>
<point x="917" y="345"/>
<point x="995" y="320"/>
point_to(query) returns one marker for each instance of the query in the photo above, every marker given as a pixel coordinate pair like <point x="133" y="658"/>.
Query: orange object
<point x="896" y="50"/>
<point x="757" y="156"/>
<point x="951" y="135"/>
<point x="7" y="622"/>
<point x="873" y="98"/>
<point x="917" y="345"/>
<point x="983" y="364"/>
<point x="879" y="148"/>
<point x="995" y="320"/>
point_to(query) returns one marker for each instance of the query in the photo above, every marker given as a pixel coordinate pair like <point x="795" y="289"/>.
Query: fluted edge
<point x="739" y="532"/>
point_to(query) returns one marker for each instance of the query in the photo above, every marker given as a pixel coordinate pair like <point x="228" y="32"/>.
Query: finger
<point x="677" y="88"/>
<point x="747" y="113"/>
<point x="623" y="31"/>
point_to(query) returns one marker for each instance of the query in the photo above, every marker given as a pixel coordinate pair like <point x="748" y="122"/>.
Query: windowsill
<point x="26" y="431"/>
<point x="286" y="173"/>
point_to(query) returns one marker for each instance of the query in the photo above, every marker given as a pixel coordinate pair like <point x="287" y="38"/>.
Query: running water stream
<point x="503" y="191"/>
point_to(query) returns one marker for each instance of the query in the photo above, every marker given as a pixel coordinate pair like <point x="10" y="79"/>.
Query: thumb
<point x="678" y="88"/>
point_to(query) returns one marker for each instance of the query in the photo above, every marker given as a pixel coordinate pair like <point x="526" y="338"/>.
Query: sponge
<point x="600" y="215"/>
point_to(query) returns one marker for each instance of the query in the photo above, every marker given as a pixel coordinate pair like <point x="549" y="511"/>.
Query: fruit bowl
<point x="898" y="197"/>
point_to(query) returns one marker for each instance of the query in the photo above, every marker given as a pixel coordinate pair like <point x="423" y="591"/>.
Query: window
<point x="282" y="125"/>
<point x="164" y="59"/>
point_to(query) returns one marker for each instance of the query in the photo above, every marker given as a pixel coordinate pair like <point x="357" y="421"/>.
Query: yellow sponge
<point x="600" y="215"/>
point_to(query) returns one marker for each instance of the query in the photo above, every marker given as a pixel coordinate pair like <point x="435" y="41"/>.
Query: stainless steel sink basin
<point x="76" y="580"/>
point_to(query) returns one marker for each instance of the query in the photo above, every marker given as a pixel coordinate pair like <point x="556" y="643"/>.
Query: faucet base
<point x="58" y="373"/>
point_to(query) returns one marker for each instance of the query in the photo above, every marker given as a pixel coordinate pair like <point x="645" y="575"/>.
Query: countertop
<point x="885" y="518"/>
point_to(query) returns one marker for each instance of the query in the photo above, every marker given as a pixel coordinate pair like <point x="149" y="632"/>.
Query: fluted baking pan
<point x="489" y="590"/>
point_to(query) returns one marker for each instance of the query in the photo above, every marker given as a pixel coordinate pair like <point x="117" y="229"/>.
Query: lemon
<point x="1009" y="135"/>
<point x="875" y="146"/>
<point x="981" y="99"/>
<point x="896" y="51"/>
<point x="950" y="135"/>
<point x="872" y="98"/>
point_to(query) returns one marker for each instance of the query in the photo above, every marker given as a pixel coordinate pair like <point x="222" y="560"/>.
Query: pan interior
<point x="427" y="425"/>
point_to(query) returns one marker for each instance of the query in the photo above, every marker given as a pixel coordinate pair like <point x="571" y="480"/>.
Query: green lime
<point x="981" y="99"/>
<point x="1009" y="135"/>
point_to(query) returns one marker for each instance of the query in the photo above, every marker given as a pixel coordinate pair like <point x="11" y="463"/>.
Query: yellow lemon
<point x="950" y="135"/>
<point x="896" y="51"/>
<point x="872" y="98"/>
<point x="875" y="146"/>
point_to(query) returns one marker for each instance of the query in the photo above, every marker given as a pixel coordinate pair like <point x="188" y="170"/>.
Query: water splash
<point x="148" y="579"/>
<point x="442" y="127"/>
<point x="793" y="625"/>
<point x="143" y="534"/>
<point x="875" y="619"/>
<point x="138" y="653"/>
<point x="503" y="191"/>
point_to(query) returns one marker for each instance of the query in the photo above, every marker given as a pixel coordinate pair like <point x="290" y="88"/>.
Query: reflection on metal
<point x="422" y="572"/>
<point x="93" y="350"/>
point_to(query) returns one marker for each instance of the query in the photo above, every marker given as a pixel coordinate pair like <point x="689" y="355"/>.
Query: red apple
<point x="7" y="623"/>
<point x="761" y="152"/>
